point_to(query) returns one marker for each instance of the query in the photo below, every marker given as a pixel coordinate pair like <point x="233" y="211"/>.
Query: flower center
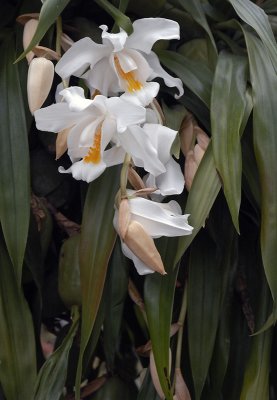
<point x="94" y="154"/>
<point x="132" y="83"/>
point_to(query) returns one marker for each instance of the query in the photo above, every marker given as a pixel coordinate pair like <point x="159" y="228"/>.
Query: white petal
<point x="75" y="98"/>
<point x="158" y="71"/>
<point x="87" y="172"/>
<point x="159" y="219"/>
<point x="108" y="130"/>
<point x="172" y="181"/>
<point x="103" y="78"/>
<point x="148" y="30"/>
<point x="73" y="138"/>
<point x="54" y="118"/>
<point x="141" y="268"/>
<point x="83" y="54"/>
<point x="138" y="143"/>
<point x="144" y="96"/>
<point x="125" y="112"/>
<point x="162" y="138"/>
<point x="86" y="135"/>
<point x="117" y="40"/>
<point x="114" y="156"/>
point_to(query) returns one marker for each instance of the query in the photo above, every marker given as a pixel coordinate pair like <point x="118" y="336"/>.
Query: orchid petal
<point x="141" y="268"/>
<point x="159" y="72"/>
<point x="114" y="156"/>
<point x="162" y="138"/>
<point x="117" y="40"/>
<point x="83" y="54"/>
<point x="54" y="118"/>
<point x="144" y="96"/>
<point x="159" y="219"/>
<point x="125" y="112"/>
<point x="103" y="78"/>
<point x="75" y="98"/>
<point x="87" y="172"/>
<point x="148" y="30"/>
<point x="172" y="181"/>
<point x="138" y="143"/>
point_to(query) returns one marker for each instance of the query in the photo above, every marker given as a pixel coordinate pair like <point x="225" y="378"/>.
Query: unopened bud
<point x="28" y="33"/>
<point x="190" y="169"/>
<point x="135" y="180"/>
<point x="61" y="142"/>
<point x="143" y="246"/>
<point x="187" y="134"/>
<point x="124" y="218"/>
<point x="181" y="390"/>
<point x="202" y="138"/>
<point x="40" y="78"/>
<point x="198" y="154"/>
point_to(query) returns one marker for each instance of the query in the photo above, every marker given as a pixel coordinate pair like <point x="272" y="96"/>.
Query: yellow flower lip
<point x="132" y="84"/>
<point x="94" y="153"/>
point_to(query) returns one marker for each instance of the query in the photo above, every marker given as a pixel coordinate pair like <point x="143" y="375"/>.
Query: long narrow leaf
<point x="17" y="349"/>
<point x="14" y="159"/>
<point x="264" y="83"/>
<point x="228" y="103"/>
<point x="97" y="241"/>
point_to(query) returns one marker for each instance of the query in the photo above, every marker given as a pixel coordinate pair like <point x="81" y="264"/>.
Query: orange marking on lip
<point x="133" y="84"/>
<point x="94" y="153"/>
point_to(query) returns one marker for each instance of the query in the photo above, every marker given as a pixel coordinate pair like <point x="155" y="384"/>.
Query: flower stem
<point x="59" y="35"/>
<point x="181" y="321"/>
<point x="124" y="175"/>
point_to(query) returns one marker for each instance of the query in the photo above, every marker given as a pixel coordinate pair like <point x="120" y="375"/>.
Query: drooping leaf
<point x="97" y="241"/>
<point x="49" y="12"/>
<point x="228" y="102"/>
<point x="14" y="159"/>
<point x="51" y="379"/>
<point x="255" y="16"/>
<point x="17" y="350"/>
<point x="264" y="83"/>
<point x="158" y="296"/>
<point x="197" y="77"/>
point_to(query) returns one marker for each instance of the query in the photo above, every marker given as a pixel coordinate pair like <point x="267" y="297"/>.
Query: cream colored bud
<point x="198" y="153"/>
<point x="190" y="169"/>
<point x="28" y="33"/>
<point x="202" y="138"/>
<point x="124" y="218"/>
<point x="135" y="180"/>
<point x="181" y="389"/>
<point x="154" y="374"/>
<point x="40" y="78"/>
<point x="143" y="246"/>
<point x="187" y="134"/>
<point x="61" y="142"/>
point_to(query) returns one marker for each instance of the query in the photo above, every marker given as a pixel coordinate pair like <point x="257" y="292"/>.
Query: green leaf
<point x="254" y="16"/>
<point x="120" y="19"/>
<point x="17" y="350"/>
<point x="228" y="102"/>
<point x="117" y="282"/>
<point x="14" y="159"/>
<point x="197" y="77"/>
<point x="195" y="9"/>
<point x="97" y="241"/>
<point x="158" y="296"/>
<point x="264" y="84"/>
<point x="52" y="376"/>
<point x="204" y="190"/>
<point x="204" y="305"/>
<point x="49" y="12"/>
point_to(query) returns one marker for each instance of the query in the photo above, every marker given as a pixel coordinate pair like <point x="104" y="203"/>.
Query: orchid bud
<point x="190" y="169"/>
<point x="187" y="134"/>
<point x="135" y="180"/>
<point x="124" y="218"/>
<point x="28" y="33"/>
<point x="61" y="142"/>
<point x="154" y="374"/>
<point x="198" y="153"/>
<point x="181" y="389"/>
<point x="143" y="246"/>
<point x="40" y="78"/>
<point x="202" y="138"/>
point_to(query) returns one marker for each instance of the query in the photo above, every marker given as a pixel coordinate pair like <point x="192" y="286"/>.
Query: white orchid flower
<point x="150" y="147"/>
<point x="92" y="125"/>
<point x="157" y="219"/>
<point x="123" y="63"/>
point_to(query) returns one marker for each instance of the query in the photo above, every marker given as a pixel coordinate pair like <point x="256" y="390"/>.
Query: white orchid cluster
<point x="119" y="123"/>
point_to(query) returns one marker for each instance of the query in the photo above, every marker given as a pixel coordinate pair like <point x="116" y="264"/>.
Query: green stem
<point x="181" y="321"/>
<point x="124" y="175"/>
<point x="59" y="35"/>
